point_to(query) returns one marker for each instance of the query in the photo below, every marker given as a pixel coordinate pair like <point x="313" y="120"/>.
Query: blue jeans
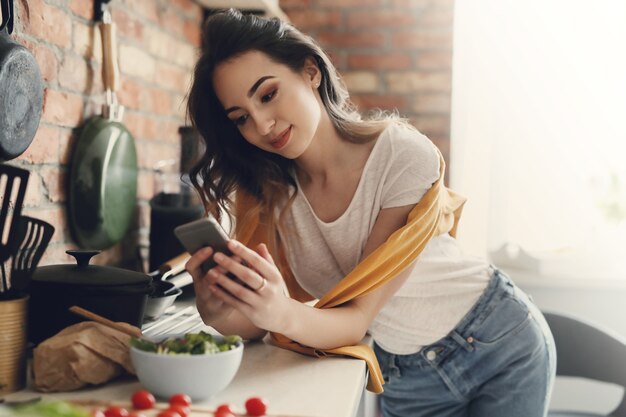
<point x="499" y="361"/>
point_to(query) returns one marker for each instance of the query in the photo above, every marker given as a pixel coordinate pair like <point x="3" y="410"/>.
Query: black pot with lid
<point x="115" y="293"/>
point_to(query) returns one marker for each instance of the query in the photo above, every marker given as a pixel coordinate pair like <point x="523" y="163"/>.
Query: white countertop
<point x="295" y="385"/>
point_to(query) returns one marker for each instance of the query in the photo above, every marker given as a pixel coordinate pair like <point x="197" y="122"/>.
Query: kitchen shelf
<point x="267" y="7"/>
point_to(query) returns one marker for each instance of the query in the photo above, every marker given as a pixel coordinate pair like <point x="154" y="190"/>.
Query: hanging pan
<point x="103" y="177"/>
<point x="21" y="90"/>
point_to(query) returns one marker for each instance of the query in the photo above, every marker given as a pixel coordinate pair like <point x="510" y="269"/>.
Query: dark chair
<point x="588" y="351"/>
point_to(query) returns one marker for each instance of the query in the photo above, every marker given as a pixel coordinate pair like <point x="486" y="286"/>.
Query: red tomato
<point x="136" y="414"/>
<point x="182" y="410"/>
<point x="223" y="413"/>
<point x="180" y="399"/>
<point x="115" y="411"/>
<point x="228" y="408"/>
<point x="256" y="406"/>
<point x="143" y="400"/>
<point x="168" y="413"/>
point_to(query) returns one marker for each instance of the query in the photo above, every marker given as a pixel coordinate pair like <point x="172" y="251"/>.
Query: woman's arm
<point x="269" y="309"/>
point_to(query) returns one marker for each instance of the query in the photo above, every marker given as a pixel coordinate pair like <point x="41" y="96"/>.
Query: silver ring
<point x="261" y="286"/>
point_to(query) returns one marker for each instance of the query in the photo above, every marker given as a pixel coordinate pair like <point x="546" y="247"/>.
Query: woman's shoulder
<point x="406" y="145"/>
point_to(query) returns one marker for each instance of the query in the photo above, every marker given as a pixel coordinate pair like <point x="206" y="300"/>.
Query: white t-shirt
<point x="444" y="284"/>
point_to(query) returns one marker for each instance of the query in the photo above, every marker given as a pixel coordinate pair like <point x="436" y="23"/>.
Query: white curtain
<point x="539" y="128"/>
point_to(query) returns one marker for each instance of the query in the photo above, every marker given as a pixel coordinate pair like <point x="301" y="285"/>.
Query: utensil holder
<point x="13" y="344"/>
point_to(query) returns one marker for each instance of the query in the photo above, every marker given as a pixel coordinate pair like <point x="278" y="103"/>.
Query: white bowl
<point x="199" y="376"/>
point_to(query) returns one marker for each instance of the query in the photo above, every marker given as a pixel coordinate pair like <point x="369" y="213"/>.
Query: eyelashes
<point x="266" y="98"/>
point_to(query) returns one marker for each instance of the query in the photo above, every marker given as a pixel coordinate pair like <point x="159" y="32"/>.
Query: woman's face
<point x="274" y="108"/>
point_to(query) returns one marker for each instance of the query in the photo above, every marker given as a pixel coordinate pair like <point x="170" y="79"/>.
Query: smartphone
<point x="203" y="232"/>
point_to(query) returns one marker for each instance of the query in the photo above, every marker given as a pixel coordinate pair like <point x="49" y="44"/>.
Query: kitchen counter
<point x="294" y="385"/>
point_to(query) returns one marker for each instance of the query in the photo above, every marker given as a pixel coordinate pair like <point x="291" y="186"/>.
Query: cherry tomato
<point x="115" y="411"/>
<point x="168" y="413"/>
<point x="228" y="408"/>
<point x="143" y="400"/>
<point x="181" y="399"/>
<point x="223" y="413"/>
<point x="182" y="410"/>
<point x="136" y="414"/>
<point x="256" y="406"/>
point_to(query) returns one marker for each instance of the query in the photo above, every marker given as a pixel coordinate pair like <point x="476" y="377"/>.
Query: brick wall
<point x="393" y="54"/>
<point x="157" y="42"/>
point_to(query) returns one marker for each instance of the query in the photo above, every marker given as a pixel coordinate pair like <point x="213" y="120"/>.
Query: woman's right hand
<point x="211" y="309"/>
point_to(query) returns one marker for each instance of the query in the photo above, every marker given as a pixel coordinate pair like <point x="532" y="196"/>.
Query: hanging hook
<point x="99" y="7"/>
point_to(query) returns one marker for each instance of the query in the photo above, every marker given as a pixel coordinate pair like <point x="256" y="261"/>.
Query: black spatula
<point x="13" y="183"/>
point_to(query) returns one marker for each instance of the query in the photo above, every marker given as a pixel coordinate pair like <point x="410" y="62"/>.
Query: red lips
<point x="282" y="139"/>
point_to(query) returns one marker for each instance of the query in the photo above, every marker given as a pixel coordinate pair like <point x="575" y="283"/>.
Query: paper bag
<point x="82" y="354"/>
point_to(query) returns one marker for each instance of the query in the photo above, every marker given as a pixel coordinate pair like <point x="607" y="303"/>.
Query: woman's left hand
<point x="262" y="299"/>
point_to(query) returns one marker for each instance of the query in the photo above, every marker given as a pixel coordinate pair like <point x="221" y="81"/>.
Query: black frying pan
<point x="21" y="100"/>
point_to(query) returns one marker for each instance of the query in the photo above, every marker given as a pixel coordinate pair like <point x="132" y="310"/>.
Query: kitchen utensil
<point x="161" y="299"/>
<point x="164" y="293"/>
<point x="103" y="179"/>
<point x="21" y="101"/>
<point x="135" y="332"/>
<point x="37" y="234"/>
<point x="13" y="183"/>
<point x="116" y="293"/>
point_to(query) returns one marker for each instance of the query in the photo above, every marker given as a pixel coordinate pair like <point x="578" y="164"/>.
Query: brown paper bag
<point x="82" y="354"/>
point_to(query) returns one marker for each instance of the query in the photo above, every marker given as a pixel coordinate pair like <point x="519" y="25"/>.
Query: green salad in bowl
<point x="189" y="344"/>
<point x="198" y="364"/>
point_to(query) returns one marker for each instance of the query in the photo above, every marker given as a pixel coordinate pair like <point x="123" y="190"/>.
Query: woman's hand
<point x="211" y="309"/>
<point x="260" y="295"/>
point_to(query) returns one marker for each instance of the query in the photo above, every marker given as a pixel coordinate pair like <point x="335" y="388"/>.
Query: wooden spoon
<point x="132" y="331"/>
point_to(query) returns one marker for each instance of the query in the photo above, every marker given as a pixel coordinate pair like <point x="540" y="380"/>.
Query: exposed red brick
<point x="131" y="94"/>
<point x="347" y="4"/>
<point x="433" y="125"/>
<point x="380" y="18"/>
<point x="145" y="8"/>
<point x="160" y="102"/>
<point x="145" y="185"/>
<point x="173" y="77"/>
<point x="188" y="6"/>
<point x="82" y="8"/>
<point x="294" y="4"/>
<point x="432" y="103"/>
<point x="431" y="60"/>
<point x="351" y="39"/>
<point x="192" y="32"/>
<point x="383" y="101"/>
<point x="34" y="195"/>
<point x="307" y="19"/>
<point x="48" y="23"/>
<point x="67" y="139"/>
<point x="423" y="39"/>
<point x="86" y="41"/>
<point x="44" y="149"/>
<point x="74" y="73"/>
<point x="54" y="180"/>
<point x="127" y="25"/>
<point x="395" y="60"/>
<point x="61" y="108"/>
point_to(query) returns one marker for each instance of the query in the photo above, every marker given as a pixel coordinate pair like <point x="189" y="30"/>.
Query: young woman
<point x="453" y="335"/>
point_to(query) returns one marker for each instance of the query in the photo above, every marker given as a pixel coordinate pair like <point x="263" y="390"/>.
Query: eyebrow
<point x="252" y="90"/>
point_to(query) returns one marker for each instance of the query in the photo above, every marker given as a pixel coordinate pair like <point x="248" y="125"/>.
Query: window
<point x="538" y="140"/>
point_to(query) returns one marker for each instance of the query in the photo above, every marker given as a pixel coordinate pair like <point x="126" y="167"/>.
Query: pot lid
<point x="83" y="273"/>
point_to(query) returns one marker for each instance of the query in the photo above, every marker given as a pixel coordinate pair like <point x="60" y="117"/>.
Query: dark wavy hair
<point x="230" y="163"/>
